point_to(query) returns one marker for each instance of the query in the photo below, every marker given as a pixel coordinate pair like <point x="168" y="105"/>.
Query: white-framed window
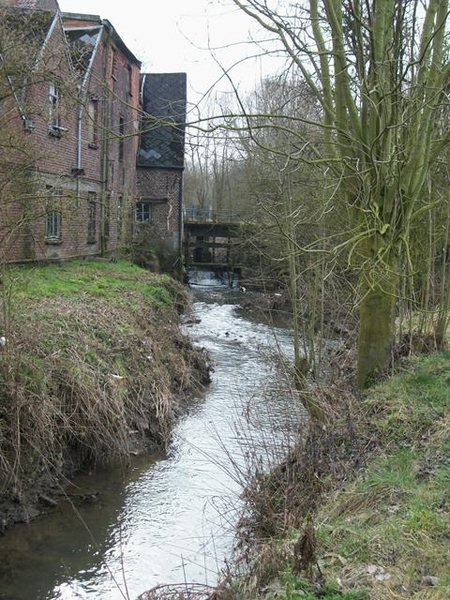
<point x="54" y="99"/>
<point x="143" y="212"/>
<point x="53" y="226"/>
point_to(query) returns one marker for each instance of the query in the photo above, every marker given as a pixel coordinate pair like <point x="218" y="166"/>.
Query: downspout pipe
<point x="82" y="90"/>
<point x="79" y="138"/>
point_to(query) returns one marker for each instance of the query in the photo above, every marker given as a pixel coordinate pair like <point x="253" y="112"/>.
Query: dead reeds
<point x="87" y="380"/>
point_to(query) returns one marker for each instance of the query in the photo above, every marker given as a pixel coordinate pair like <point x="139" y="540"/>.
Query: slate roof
<point x="26" y="3"/>
<point x="39" y="4"/>
<point x="161" y="141"/>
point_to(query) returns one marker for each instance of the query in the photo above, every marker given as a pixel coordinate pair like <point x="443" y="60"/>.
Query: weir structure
<point x="212" y="239"/>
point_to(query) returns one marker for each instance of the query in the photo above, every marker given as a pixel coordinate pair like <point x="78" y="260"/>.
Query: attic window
<point x="130" y="80"/>
<point x="53" y="98"/>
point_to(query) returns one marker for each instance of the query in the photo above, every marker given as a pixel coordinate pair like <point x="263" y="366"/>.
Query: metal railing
<point x="198" y="214"/>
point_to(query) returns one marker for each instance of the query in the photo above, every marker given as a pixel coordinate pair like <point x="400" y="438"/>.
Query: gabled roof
<point x="25" y="33"/>
<point x="29" y="29"/>
<point x="83" y="33"/>
<point x="82" y="42"/>
<point x="161" y="141"/>
<point x="120" y="43"/>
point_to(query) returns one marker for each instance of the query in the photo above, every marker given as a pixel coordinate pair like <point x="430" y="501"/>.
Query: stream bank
<point x="95" y="369"/>
<point x="171" y="517"/>
<point x="360" y="509"/>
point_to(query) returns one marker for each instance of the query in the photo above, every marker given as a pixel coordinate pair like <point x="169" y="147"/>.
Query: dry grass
<point x="179" y="591"/>
<point x="85" y="379"/>
<point x="280" y="500"/>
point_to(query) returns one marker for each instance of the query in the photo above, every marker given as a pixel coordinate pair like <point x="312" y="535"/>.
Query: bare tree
<point x="379" y="73"/>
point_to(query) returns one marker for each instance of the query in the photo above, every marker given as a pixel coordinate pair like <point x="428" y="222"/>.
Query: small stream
<point x="171" y="518"/>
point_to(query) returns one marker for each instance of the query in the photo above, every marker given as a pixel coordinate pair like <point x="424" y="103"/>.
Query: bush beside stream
<point x="94" y="368"/>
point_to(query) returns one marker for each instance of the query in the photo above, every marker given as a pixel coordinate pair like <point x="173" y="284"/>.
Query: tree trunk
<point x="379" y="284"/>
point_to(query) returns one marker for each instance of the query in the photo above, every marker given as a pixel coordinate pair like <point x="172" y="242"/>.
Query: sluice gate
<point x="212" y="240"/>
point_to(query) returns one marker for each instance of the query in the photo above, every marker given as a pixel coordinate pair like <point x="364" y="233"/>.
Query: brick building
<point x="160" y="159"/>
<point x="70" y="118"/>
<point x="108" y="113"/>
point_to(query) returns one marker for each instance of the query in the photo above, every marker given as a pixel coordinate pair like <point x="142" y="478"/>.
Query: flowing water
<point x="167" y="519"/>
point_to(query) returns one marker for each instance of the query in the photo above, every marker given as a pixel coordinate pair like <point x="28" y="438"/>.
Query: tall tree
<point x="379" y="72"/>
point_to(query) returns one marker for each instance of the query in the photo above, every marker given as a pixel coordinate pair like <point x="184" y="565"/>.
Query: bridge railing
<point x="198" y="214"/>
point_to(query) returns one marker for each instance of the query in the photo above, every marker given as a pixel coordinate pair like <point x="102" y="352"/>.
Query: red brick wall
<point x="162" y="188"/>
<point x="81" y="171"/>
<point x="68" y="164"/>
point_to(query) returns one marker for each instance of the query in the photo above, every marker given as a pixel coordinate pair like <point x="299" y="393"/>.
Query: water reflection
<point x="72" y="542"/>
<point x="170" y="519"/>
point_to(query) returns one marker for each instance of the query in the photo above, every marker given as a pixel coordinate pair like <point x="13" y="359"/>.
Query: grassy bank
<point x="94" y="367"/>
<point x="361" y="509"/>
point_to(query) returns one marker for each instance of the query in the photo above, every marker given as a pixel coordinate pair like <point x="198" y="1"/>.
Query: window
<point x="111" y="173"/>
<point x="130" y="80"/>
<point x="106" y="218"/>
<point x="54" y="111"/>
<point x="92" y="218"/>
<point x="93" y="123"/>
<point x="121" y="137"/>
<point x="119" y="217"/>
<point x="53" y="217"/>
<point x="53" y="226"/>
<point x="114" y="65"/>
<point x="143" y="212"/>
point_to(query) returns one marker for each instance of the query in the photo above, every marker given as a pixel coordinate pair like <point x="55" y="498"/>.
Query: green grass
<point x="96" y="278"/>
<point x="395" y="516"/>
<point x="385" y="534"/>
<point x="293" y="587"/>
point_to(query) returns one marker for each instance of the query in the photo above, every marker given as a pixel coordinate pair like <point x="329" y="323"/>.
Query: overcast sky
<point x="179" y="35"/>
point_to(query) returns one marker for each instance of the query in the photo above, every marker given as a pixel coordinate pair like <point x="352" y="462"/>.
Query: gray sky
<point x="174" y="36"/>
